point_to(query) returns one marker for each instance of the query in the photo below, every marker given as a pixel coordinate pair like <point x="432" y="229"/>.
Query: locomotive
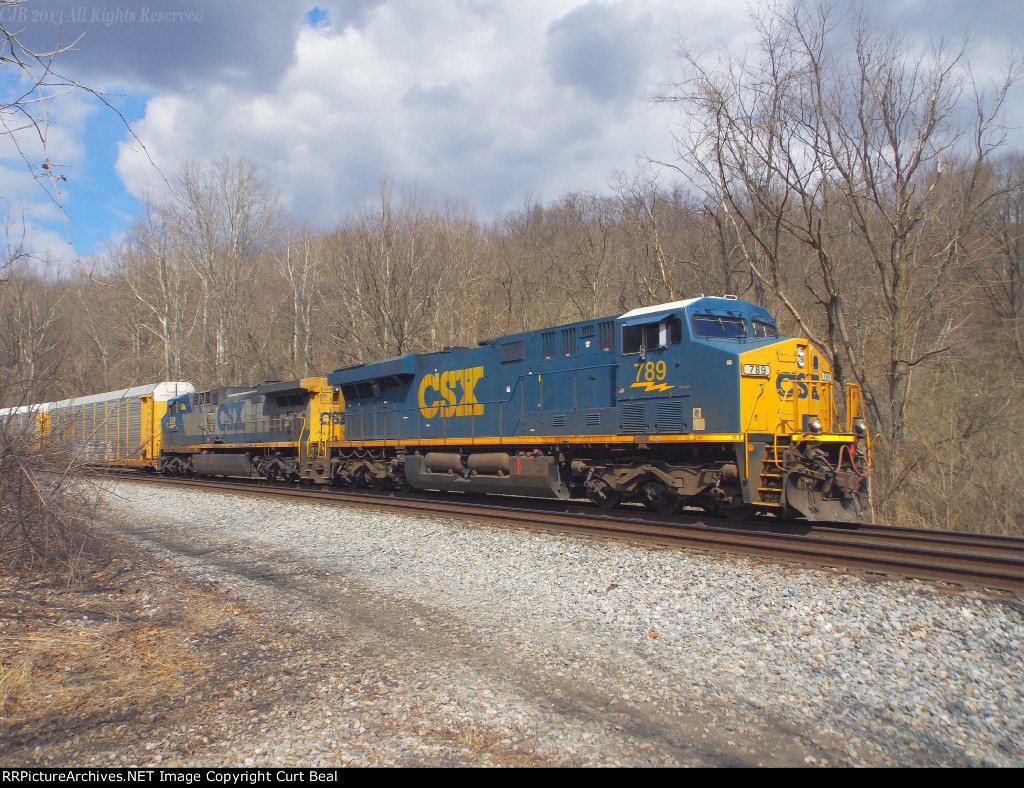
<point x="699" y="402"/>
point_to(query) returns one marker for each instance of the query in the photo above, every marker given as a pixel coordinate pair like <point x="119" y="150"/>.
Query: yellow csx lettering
<point x="450" y="393"/>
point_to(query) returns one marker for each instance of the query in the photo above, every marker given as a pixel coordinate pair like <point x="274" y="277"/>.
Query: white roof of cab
<point x="647" y="310"/>
<point x="168" y="389"/>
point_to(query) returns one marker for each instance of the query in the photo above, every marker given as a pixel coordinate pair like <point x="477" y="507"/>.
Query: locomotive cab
<point x="713" y="379"/>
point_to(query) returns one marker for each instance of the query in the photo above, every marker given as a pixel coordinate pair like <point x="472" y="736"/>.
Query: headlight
<point x="814" y="425"/>
<point x="860" y="428"/>
<point x="801" y="356"/>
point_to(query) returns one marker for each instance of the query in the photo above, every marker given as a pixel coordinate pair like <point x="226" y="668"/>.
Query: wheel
<point x="668" y="504"/>
<point x="609" y="500"/>
<point x="659" y="499"/>
<point x="736" y="509"/>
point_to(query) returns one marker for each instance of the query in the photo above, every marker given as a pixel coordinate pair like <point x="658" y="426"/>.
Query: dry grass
<point x="15" y="684"/>
<point x="74" y="658"/>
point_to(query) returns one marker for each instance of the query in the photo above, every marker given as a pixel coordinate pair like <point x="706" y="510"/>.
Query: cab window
<point x="652" y="335"/>
<point x="675" y="330"/>
<point x="633" y="337"/>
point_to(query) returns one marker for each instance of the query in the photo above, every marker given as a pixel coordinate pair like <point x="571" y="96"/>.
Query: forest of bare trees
<point x="855" y="183"/>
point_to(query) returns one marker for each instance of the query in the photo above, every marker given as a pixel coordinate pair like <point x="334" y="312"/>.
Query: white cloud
<point x="482" y="99"/>
<point x="32" y="225"/>
<point x="486" y="101"/>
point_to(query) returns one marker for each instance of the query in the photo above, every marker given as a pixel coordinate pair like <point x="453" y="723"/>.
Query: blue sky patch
<point x="95" y="198"/>
<point x="317" y="17"/>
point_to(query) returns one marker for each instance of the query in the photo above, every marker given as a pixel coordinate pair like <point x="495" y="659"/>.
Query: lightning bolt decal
<point x="651" y="386"/>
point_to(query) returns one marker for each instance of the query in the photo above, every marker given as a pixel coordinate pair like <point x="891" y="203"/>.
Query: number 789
<point x="650" y="371"/>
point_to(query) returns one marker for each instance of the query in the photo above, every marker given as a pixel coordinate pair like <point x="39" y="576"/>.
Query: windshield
<point x="708" y="326"/>
<point x="762" y="328"/>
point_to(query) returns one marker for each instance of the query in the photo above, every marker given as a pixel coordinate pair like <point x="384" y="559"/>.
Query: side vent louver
<point x="670" y="417"/>
<point x="632" y="418"/>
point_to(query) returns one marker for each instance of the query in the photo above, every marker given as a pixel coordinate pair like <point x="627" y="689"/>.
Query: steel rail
<point x="978" y="560"/>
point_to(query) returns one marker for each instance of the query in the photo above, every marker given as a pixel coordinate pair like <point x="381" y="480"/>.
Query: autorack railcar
<point x="119" y="429"/>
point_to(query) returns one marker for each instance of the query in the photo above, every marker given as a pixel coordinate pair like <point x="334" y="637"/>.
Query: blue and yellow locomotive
<point x="276" y="431"/>
<point x="698" y="402"/>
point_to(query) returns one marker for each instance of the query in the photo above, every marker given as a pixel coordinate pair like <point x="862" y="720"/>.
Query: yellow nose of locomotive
<point x="800" y="455"/>
<point x="785" y="389"/>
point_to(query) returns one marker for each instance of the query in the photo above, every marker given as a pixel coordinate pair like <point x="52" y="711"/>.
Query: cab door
<point x="651" y="391"/>
<point x="649" y="351"/>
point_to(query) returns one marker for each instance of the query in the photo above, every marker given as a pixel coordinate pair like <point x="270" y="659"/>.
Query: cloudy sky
<point x="485" y="100"/>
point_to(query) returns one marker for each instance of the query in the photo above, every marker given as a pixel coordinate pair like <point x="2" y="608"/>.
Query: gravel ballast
<point x="591" y="652"/>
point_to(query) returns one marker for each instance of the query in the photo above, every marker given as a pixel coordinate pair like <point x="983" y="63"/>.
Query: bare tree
<point x="35" y="87"/>
<point x="520" y="266"/>
<point x="25" y="114"/>
<point x="582" y="255"/>
<point x="45" y="510"/>
<point x="644" y="210"/>
<point x="999" y="275"/>
<point x="222" y="217"/>
<point x="830" y="147"/>
<point x="150" y="266"/>
<point x="32" y="340"/>
<point x="14" y="251"/>
<point x="675" y="245"/>
<point x="396" y="271"/>
<point x="302" y="261"/>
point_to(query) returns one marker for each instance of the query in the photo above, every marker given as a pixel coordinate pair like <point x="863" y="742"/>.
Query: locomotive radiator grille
<point x="670" y="417"/>
<point x="632" y="418"/>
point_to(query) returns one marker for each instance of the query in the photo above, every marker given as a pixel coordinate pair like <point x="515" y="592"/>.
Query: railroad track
<point x="972" y="560"/>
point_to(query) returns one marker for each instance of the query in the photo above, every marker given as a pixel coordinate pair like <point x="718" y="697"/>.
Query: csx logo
<point x="786" y="383"/>
<point x="450" y="393"/>
<point x="229" y="417"/>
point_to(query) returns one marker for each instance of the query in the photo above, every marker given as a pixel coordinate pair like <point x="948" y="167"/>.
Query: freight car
<point x="119" y="429"/>
<point x="699" y="402"/>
